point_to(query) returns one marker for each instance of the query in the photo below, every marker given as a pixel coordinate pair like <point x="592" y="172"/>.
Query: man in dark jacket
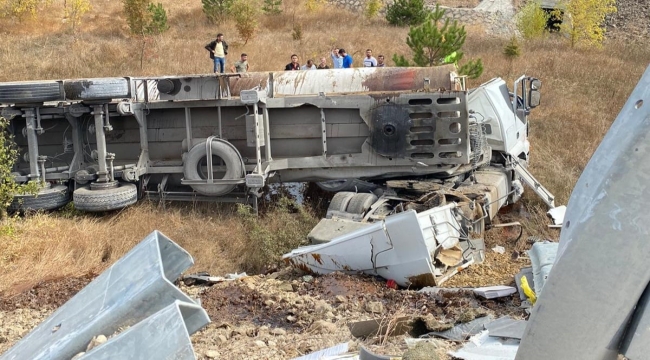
<point x="293" y="65"/>
<point x="218" y="49"/>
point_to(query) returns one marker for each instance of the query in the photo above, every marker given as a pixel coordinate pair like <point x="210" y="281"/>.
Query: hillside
<point x="631" y="21"/>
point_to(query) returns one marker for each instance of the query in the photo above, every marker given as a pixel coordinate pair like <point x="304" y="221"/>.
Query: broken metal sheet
<point x="542" y="256"/>
<point x="136" y="286"/>
<point x="484" y="347"/>
<point x="491" y="292"/>
<point x="205" y="278"/>
<point x="462" y="331"/>
<point x="557" y="214"/>
<point x="335" y="352"/>
<point x="601" y="268"/>
<point x="506" y="327"/>
<point x="401" y="248"/>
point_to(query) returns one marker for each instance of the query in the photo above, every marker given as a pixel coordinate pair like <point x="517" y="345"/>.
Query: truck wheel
<point x="123" y="195"/>
<point x="360" y="203"/>
<point x="30" y="92"/>
<point x="46" y="199"/>
<point x="346" y="185"/>
<point x="340" y="201"/>
<point x="96" y="89"/>
<point x="234" y="167"/>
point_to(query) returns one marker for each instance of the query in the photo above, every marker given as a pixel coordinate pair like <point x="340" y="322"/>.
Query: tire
<point x="96" y="89"/>
<point x="47" y="199"/>
<point x="340" y="201"/>
<point x="346" y="185"/>
<point x="123" y="195"/>
<point x="30" y="92"/>
<point x="225" y="151"/>
<point x="360" y="203"/>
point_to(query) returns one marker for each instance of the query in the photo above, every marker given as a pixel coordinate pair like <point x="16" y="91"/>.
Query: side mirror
<point x="535" y="84"/>
<point x="534" y="98"/>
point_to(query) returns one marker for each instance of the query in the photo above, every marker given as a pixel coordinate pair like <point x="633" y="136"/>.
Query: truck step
<point x="537" y="187"/>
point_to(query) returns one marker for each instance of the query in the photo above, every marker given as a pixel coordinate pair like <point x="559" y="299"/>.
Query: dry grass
<point x="220" y="238"/>
<point x="583" y="90"/>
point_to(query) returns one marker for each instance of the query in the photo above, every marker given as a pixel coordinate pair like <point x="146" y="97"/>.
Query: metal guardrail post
<point x="137" y="286"/>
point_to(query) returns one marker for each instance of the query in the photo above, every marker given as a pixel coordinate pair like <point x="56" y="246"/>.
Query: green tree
<point x="532" y="20"/>
<point x="145" y="19"/>
<point x="75" y="11"/>
<point x="246" y="13"/>
<point x="435" y="44"/>
<point x="583" y="20"/>
<point x="406" y="12"/>
<point x="217" y="10"/>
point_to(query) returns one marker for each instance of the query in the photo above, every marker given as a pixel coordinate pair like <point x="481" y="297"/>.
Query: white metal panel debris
<point x="542" y="256"/>
<point x="484" y="347"/>
<point x="403" y="247"/>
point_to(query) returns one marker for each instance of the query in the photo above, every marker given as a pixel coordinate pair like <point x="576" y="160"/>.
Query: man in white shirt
<point x="337" y="59"/>
<point x="369" y="60"/>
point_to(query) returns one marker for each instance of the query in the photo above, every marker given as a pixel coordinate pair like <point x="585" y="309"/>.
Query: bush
<point x="245" y="14"/>
<point x="532" y="20"/>
<point x="512" y="50"/>
<point x="217" y="10"/>
<point x="314" y="5"/>
<point x="272" y="7"/>
<point x="372" y="8"/>
<point x="21" y="9"/>
<point x="406" y="12"/>
<point x="8" y="157"/>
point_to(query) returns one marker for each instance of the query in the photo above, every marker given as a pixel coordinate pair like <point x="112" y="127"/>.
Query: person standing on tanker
<point x="347" y="59"/>
<point x="293" y="65"/>
<point x="337" y="59"/>
<point x="218" y="49"/>
<point x="323" y="64"/>
<point x="369" y="60"/>
<point x="240" y="66"/>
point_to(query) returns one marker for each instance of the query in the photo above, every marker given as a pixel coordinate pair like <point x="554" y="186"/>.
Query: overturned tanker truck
<point x="386" y="140"/>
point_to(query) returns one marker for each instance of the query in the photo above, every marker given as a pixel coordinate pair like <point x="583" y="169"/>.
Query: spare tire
<point x="25" y="92"/>
<point x="46" y="199"/>
<point x="86" y="199"/>
<point x="96" y="89"/>
<point x="222" y="149"/>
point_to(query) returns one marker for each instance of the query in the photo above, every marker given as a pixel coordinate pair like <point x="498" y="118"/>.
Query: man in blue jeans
<point x="218" y="50"/>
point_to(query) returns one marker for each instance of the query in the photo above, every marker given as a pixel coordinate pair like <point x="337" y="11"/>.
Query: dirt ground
<point x="286" y="314"/>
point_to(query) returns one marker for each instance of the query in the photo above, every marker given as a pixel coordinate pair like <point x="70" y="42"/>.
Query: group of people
<point x="218" y="50"/>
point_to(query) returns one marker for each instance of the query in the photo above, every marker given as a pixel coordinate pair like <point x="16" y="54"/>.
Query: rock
<point x="221" y="340"/>
<point x="375" y="307"/>
<point x="260" y="343"/>
<point x="269" y="303"/>
<point x="212" y="354"/>
<point x="307" y="278"/>
<point x="96" y="341"/>
<point x="422" y="351"/>
<point x="278" y="331"/>
<point x="78" y="356"/>
<point x="291" y="319"/>
<point x="322" y="307"/>
<point x="285" y="287"/>
<point x="340" y="299"/>
<point x="322" y="327"/>
<point x="272" y="344"/>
<point x="263" y="329"/>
